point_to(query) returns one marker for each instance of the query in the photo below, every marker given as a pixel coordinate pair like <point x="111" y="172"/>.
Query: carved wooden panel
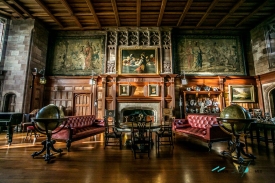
<point x="82" y="105"/>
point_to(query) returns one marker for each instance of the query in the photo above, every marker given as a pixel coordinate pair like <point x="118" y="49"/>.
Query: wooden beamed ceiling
<point x="103" y="14"/>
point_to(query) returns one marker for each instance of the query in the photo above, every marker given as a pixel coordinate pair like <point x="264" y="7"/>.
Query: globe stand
<point x="236" y="145"/>
<point x="48" y="144"/>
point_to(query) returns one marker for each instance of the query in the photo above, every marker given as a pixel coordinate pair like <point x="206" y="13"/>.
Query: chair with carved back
<point x="164" y="136"/>
<point x="26" y="125"/>
<point x="112" y="137"/>
<point x="141" y="137"/>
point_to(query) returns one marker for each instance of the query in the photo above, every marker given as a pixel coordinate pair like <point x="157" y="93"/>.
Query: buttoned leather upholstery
<point x="79" y="127"/>
<point x="202" y="126"/>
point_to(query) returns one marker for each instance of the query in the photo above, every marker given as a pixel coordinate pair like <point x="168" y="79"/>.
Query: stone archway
<point x="269" y="98"/>
<point x="9" y="102"/>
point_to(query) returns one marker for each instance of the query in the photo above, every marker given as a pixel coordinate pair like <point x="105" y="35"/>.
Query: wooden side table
<point x="266" y="127"/>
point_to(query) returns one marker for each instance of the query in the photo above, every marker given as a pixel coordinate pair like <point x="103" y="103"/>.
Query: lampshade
<point x="92" y="81"/>
<point x="183" y="81"/>
<point x="42" y="80"/>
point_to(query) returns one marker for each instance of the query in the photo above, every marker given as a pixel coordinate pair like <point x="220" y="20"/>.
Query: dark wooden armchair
<point x="111" y="134"/>
<point x="141" y="137"/>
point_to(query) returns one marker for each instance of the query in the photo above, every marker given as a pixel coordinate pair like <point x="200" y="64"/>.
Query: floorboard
<point x="88" y="161"/>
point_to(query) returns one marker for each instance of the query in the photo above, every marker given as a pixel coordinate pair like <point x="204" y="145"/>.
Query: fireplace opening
<point x="137" y="114"/>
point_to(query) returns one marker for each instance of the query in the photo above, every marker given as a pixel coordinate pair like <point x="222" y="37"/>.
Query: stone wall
<point x="16" y="59"/>
<point x="259" y="48"/>
<point x="19" y="58"/>
<point x="38" y="57"/>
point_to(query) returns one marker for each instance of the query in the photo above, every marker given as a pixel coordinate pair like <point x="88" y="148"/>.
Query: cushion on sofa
<point x="201" y="121"/>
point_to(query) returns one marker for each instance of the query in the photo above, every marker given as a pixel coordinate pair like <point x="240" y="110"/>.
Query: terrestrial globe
<point x="236" y="114"/>
<point x="49" y="116"/>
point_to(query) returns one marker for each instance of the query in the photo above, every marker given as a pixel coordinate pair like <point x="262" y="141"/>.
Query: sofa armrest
<point x="215" y="132"/>
<point x="99" y="122"/>
<point x="180" y="123"/>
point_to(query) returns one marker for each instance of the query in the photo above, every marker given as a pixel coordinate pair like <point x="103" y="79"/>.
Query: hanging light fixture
<point x="92" y="80"/>
<point x="42" y="79"/>
<point x="183" y="80"/>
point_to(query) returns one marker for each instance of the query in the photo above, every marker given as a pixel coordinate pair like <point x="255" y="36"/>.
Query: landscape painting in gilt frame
<point x="241" y="93"/>
<point x="78" y="56"/>
<point x="210" y="55"/>
<point x="138" y="61"/>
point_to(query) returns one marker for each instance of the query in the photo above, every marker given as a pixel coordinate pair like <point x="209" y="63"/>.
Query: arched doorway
<point x="9" y="102"/>
<point x="272" y="102"/>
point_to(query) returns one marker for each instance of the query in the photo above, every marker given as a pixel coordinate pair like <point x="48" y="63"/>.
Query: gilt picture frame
<point x="241" y="93"/>
<point x="138" y="60"/>
<point x="153" y="90"/>
<point x="124" y="90"/>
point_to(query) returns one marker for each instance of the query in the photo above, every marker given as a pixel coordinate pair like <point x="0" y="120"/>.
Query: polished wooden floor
<point x="88" y="161"/>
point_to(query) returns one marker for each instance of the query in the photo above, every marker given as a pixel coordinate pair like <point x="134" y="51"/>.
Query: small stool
<point x="31" y="131"/>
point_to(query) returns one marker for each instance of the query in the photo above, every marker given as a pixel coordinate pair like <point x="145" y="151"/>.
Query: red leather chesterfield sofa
<point x="201" y="126"/>
<point x="79" y="127"/>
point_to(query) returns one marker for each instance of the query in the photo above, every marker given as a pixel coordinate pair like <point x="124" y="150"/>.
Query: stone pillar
<point x="16" y="59"/>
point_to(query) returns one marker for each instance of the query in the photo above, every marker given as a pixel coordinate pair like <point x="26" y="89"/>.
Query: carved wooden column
<point x="103" y="95"/>
<point x="260" y="93"/>
<point x="114" y="91"/>
<point x="172" y="90"/>
<point x="94" y="97"/>
<point x="221" y="86"/>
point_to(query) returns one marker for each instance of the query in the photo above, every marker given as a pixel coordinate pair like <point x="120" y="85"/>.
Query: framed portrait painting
<point x="138" y="60"/>
<point x="241" y="93"/>
<point x="210" y="55"/>
<point x="153" y="90"/>
<point x="124" y="90"/>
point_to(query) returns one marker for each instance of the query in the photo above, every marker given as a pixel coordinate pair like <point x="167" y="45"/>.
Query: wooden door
<point x="82" y="104"/>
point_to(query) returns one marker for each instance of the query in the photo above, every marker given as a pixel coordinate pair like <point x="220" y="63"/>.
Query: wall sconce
<point x="183" y="80"/>
<point x="42" y="79"/>
<point x="34" y="71"/>
<point x="92" y="80"/>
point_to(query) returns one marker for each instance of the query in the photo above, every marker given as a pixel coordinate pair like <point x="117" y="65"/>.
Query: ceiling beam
<point x="69" y="9"/>
<point x="235" y="7"/>
<point x="251" y="14"/>
<point x="91" y="8"/>
<point x="13" y="9"/>
<point x="138" y="12"/>
<point x="116" y="12"/>
<point x="210" y="8"/>
<point x="22" y="8"/>
<point x="161" y="12"/>
<point x="185" y="10"/>
<point x="5" y="13"/>
<point x="48" y="12"/>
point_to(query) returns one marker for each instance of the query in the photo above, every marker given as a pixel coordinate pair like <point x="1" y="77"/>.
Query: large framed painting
<point x="210" y="55"/>
<point x="138" y="60"/>
<point x="78" y="56"/>
<point x="241" y="93"/>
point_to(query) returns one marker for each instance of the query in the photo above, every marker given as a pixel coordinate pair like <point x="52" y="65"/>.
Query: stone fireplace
<point x="126" y="111"/>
